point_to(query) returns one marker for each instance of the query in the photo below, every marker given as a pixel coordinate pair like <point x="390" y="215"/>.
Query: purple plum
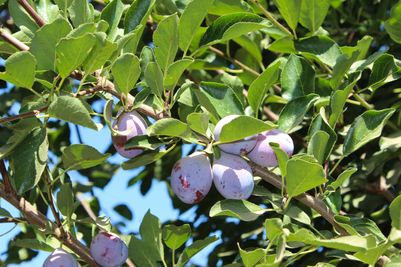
<point x="60" y="258"/>
<point x="241" y="147"/>
<point x="191" y="177"/>
<point x="233" y="176"/>
<point x="108" y="250"/>
<point x="263" y="154"/>
<point x="130" y="124"/>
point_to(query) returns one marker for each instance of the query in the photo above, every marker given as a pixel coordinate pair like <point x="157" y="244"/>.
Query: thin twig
<point x="6" y="179"/>
<point x="32" y="12"/>
<point x="24" y="115"/>
<point x="13" y="41"/>
<point x="12" y="220"/>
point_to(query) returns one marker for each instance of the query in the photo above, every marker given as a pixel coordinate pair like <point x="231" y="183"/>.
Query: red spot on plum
<point x="184" y="182"/>
<point x="177" y="167"/>
<point x="199" y="196"/>
<point x="106" y="250"/>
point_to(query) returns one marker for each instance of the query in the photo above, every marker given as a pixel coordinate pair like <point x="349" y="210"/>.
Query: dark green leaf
<point x="124" y="211"/>
<point x="165" y="39"/>
<point x="342" y="178"/>
<point x="318" y="144"/>
<point x="193" y="249"/>
<point x="290" y="10"/>
<point x="313" y="13"/>
<point x="174" y="72"/>
<point x="393" y="24"/>
<point x="154" y="78"/>
<point x="126" y="71"/>
<point x="78" y="156"/>
<point x="65" y="200"/>
<point x="176" y="236"/>
<point x="241" y="209"/>
<point x="137" y="14"/>
<point x="144" y="141"/>
<point x="319" y="47"/>
<point x="20" y="69"/>
<point x="144" y="159"/>
<point x="112" y="14"/>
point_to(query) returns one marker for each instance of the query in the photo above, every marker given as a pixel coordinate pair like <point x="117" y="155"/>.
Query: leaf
<point x="341" y="67"/>
<point x="297" y="214"/>
<point x="71" y="53"/>
<point x="126" y="71"/>
<point x="73" y="110"/>
<point x="294" y="112"/>
<point x="174" y="72"/>
<point x="43" y="45"/>
<point x="282" y="157"/>
<point x="341" y="178"/>
<point x="360" y="226"/>
<point x="273" y="228"/>
<point x="144" y="141"/>
<point x="251" y="258"/>
<point x="219" y="99"/>
<point x="393" y="24"/>
<point x="29" y="160"/>
<point x="365" y="128"/>
<point x="142" y="253"/>
<point x="20" y="16"/>
<point x="240" y="209"/>
<point x="190" y="21"/>
<point x="64" y="4"/>
<point x="303" y="174"/>
<point x="319" y="47"/>
<point x="230" y="26"/>
<point x="137" y="14"/>
<point x="297" y="78"/>
<point x="151" y="232"/>
<point x="78" y="157"/>
<point x="242" y="127"/>
<point x="320" y="124"/>
<point x="65" y="200"/>
<point x="154" y="78"/>
<point x="395" y="213"/>
<point x="198" y="122"/>
<point x="317" y="145"/>
<point x="258" y="88"/>
<point x="101" y="52"/>
<point x="144" y="159"/>
<point x="20" y="69"/>
<point x="193" y="249"/>
<point x="337" y="102"/>
<point x="176" y="236"/>
<point x="81" y="12"/>
<point x="384" y="70"/>
<point x="313" y="13"/>
<point x="170" y="127"/>
<point x="290" y="10"/>
<point x="124" y="211"/>
<point x="31" y="244"/>
<point x="112" y="14"/>
<point x="5" y="213"/>
<point x="165" y="39"/>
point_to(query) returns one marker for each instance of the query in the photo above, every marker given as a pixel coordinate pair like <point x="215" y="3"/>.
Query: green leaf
<point x="393" y="24"/>
<point x="303" y="174"/>
<point x="384" y="70"/>
<point x="297" y="78"/>
<point x="112" y="14"/>
<point x="273" y="228"/>
<point x="176" y="236"/>
<point x="294" y="112"/>
<point x="317" y="145"/>
<point x="319" y="47"/>
<point x="165" y="39"/>
<point x="137" y="14"/>
<point x="71" y="53"/>
<point x="81" y="12"/>
<point x="65" y="200"/>
<point x="174" y="72"/>
<point x="395" y="213"/>
<point x="126" y="71"/>
<point x="142" y="253"/>
<point x="20" y="69"/>
<point x="5" y="213"/>
<point x="294" y="212"/>
<point x="282" y="157"/>
<point x="319" y="123"/>
<point x="20" y="16"/>
<point x="219" y="99"/>
<point x="145" y="159"/>
<point x="337" y="102"/>
<point x="222" y="7"/>
<point x="313" y="13"/>
<point x="144" y="141"/>
<point x="343" y="64"/>
<point x="230" y="26"/>
<point x="190" y="21"/>
<point x="101" y="52"/>
<point x="242" y="127"/>
<point x="154" y="78"/>
<point x="170" y="127"/>
<point x="240" y="209"/>
<point x="365" y="128"/>
<point x="193" y="249"/>
<point x="290" y="10"/>
<point x="73" y="110"/>
<point x="43" y="45"/>
<point x="258" y="88"/>
<point x="29" y="160"/>
<point x="63" y="4"/>
<point x="151" y="232"/>
<point x="31" y="244"/>
<point x="360" y="226"/>
<point x="341" y="179"/>
<point x="78" y="157"/>
<point x="198" y="122"/>
<point x="251" y="258"/>
<point x="124" y="211"/>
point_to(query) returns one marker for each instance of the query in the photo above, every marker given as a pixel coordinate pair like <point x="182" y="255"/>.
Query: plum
<point x="108" y="250"/>
<point x="263" y="154"/>
<point x="241" y="147"/>
<point x="60" y="258"/>
<point x="191" y="177"/>
<point x="130" y="124"/>
<point x="232" y="176"/>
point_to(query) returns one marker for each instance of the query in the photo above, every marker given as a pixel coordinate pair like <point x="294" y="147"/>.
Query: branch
<point x="13" y="41"/>
<point x="6" y="179"/>
<point x="32" y="12"/>
<point x="35" y="217"/>
<point x="28" y="114"/>
<point x="12" y="220"/>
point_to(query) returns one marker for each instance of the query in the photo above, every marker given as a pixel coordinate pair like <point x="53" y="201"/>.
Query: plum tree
<point x="191" y="177"/>
<point x="241" y="147"/>
<point x="232" y="176"/>
<point x="60" y="258"/>
<point x="263" y="154"/>
<point x="108" y="250"/>
<point x="128" y="125"/>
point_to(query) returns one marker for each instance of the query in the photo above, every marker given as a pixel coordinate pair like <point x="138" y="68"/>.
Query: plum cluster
<point x="107" y="249"/>
<point x="192" y="176"/>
